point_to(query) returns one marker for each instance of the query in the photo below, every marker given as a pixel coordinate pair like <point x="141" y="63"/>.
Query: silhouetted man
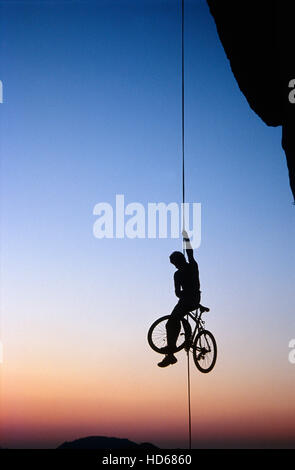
<point x="187" y="289"/>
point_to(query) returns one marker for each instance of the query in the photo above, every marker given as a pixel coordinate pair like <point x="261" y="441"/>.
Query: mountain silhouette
<point x="102" y="442"/>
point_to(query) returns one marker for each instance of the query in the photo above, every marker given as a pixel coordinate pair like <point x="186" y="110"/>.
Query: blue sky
<point x="92" y="108"/>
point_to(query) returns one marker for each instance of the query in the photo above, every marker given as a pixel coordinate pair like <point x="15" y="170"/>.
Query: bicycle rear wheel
<point x="157" y="336"/>
<point x="205" y="351"/>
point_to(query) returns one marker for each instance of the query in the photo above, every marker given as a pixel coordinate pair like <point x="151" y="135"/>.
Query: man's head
<point x="178" y="259"/>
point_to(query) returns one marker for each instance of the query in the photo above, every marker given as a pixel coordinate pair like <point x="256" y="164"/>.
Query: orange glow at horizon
<point x="50" y="404"/>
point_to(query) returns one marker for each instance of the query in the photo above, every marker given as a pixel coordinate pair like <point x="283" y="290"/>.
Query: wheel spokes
<point x="205" y="348"/>
<point x="159" y="336"/>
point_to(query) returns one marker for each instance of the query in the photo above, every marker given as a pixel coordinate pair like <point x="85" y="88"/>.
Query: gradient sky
<point x="92" y="108"/>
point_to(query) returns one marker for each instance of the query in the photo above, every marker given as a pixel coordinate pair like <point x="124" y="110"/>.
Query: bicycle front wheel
<point x="205" y="351"/>
<point x="157" y="335"/>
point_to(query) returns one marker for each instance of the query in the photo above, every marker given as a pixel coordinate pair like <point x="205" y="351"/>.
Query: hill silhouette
<point x="102" y="442"/>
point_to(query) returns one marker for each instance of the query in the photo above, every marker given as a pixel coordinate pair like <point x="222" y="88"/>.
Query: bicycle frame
<point x="199" y="323"/>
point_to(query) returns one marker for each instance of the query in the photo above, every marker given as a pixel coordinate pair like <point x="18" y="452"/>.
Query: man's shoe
<point x="167" y="361"/>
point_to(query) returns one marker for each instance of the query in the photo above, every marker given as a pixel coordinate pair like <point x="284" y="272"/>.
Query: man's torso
<point x="188" y="278"/>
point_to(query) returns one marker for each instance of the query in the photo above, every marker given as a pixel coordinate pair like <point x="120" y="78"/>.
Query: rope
<point x="182" y="114"/>
<point x="183" y="222"/>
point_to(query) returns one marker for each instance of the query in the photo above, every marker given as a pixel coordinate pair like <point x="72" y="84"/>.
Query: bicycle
<point x="201" y="342"/>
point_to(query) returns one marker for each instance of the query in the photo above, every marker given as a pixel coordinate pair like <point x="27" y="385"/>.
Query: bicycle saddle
<point x="203" y="309"/>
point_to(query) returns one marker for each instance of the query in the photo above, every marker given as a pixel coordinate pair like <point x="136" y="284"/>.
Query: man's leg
<point x="173" y="327"/>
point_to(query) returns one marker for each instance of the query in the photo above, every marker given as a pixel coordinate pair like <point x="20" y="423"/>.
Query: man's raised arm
<point x="188" y="247"/>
